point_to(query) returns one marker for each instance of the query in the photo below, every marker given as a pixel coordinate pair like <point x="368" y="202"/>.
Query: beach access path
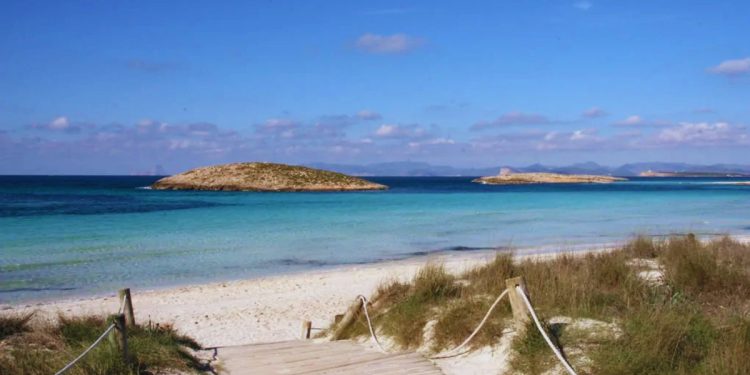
<point x="325" y="357"/>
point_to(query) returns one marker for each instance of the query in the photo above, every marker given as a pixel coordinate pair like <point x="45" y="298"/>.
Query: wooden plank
<point x="316" y="358"/>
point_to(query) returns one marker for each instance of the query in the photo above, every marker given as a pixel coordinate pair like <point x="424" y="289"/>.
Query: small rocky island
<point x="263" y="177"/>
<point x="508" y="177"/>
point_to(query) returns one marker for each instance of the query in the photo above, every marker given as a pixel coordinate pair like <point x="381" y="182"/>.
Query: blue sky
<point x="124" y="87"/>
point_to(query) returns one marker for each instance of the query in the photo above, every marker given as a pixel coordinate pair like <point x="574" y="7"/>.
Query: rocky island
<point x="263" y="177"/>
<point x="650" y="173"/>
<point x="508" y="177"/>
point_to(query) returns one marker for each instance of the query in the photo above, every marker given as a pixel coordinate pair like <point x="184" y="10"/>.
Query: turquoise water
<point x="71" y="236"/>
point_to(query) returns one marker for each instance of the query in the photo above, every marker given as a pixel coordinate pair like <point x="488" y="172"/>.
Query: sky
<point x="139" y="87"/>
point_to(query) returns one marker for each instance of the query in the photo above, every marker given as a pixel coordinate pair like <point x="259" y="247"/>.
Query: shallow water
<point x="69" y="236"/>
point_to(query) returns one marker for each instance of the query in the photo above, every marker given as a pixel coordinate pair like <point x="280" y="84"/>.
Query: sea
<point x="75" y="236"/>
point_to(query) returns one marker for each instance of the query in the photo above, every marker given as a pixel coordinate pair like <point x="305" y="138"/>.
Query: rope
<point x="451" y="352"/>
<point x="544" y="333"/>
<point x="72" y="363"/>
<point x="447" y="354"/>
<point x="369" y="323"/>
<point x="122" y="304"/>
<point x="108" y="330"/>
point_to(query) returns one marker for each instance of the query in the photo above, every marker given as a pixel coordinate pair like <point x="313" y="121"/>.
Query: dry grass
<point x="13" y="324"/>
<point x="43" y="348"/>
<point x="696" y="321"/>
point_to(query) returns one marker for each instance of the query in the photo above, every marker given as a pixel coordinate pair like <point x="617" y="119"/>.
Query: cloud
<point x="583" y="5"/>
<point x="594" y="112"/>
<point x="368" y="115"/>
<point x="61" y="124"/>
<point x="631" y="120"/>
<point x="512" y="118"/>
<point x="394" y="131"/>
<point x="636" y="120"/>
<point x="582" y="139"/>
<point x="732" y="67"/>
<point x="704" y="134"/>
<point x="435" y="141"/>
<point x="278" y="128"/>
<point x="536" y="140"/>
<point x="387" y="44"/>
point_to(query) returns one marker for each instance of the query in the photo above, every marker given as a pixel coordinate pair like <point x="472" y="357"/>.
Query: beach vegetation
<point x="12" y="324"/>
<point x="676" y="305"/>
<point x="40" y="347"/>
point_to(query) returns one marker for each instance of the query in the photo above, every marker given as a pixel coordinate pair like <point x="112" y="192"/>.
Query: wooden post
<point x="306" y="328"/>
<point x="520" y="312"/>
<point x="348" y="319"/>
<point x="119" y="337"/>
<point x="128" y="307"/>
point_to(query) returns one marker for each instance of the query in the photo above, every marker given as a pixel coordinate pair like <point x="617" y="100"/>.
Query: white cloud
<point x="703" y="133"/>
<point x="638" y="121"/>
<point x="368" y="115"/>
<point x="432" y="142"/>
<point x="578" y="135"/>
<point x="59" y="123"/>
<point x="732" y="67"/>
<point x="62" y="124"/>
<point x="387" y="44"/>
<point x="386" y="130"/>
<point x="394" y="131"/>
<point x="632" y="120"/>
<point x="594" y="112"/>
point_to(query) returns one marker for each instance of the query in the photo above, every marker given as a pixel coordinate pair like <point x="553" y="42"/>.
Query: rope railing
<point x="541" y="329"/>
<point x="91" y="347"/>
<point x="447" y="354"/>
<point x="104" y="334"/>
<point x="454" y="352"/>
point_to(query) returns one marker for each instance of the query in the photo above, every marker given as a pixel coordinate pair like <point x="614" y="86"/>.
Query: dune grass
<point x="695" y="319"/>
<point x="42" y="348"/>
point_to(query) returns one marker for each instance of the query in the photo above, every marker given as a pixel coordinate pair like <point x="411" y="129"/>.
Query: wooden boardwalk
<point x="310" y="357"/>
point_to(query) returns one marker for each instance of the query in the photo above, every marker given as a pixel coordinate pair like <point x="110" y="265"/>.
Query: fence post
<point x="348" y="319"/>
<point x="119" y="337"/>
<point x="520" y="312"/>
<point x="306" y="328"/>
<point x="128" y="307"/>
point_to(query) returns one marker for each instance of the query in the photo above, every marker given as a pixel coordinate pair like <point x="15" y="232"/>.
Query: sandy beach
<point x="273" y="308"/>
<point x="265" y="309"/>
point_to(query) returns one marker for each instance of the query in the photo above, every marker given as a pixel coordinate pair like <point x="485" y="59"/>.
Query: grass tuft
<point x="46" y="348"/>
<point x="532" y="354"/>
<point x="14" y="324"/>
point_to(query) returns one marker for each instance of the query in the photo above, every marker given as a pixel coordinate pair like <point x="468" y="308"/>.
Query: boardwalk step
<point x="308" y="357"/>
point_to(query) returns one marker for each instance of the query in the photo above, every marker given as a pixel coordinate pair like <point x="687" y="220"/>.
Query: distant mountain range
<point x="632" y="169"/>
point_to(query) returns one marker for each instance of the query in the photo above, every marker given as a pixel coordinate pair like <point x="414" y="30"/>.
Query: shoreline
<point x="460" y="252"/>
<point x="271" y="308"/>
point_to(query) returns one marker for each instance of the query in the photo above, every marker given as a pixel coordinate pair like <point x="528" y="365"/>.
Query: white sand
<point x="255" y="310"/>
